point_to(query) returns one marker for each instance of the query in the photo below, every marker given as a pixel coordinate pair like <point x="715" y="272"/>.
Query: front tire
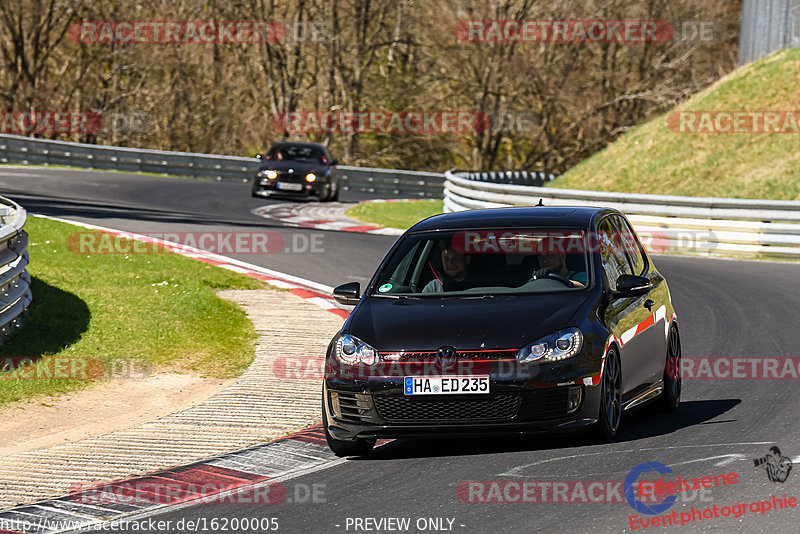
<point x="671" y="398"/>
<point x="610" y="415"/>
<point x="357" y="447"/>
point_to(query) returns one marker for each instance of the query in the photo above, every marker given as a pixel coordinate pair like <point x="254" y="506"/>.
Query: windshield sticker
<point x="384" y="288"/>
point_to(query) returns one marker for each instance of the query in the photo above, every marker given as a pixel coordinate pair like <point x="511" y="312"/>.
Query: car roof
<point x="548" y="216"/>
<point x="281" y="144"/>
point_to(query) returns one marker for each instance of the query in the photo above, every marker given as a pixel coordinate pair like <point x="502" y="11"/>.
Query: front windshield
<point x="486" y="262"/>
<point x="297" y="153"/>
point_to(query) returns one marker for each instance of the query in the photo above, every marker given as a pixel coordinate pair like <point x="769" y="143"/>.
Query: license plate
<point x="445" y="385"/>
<point x="289" y="186"/>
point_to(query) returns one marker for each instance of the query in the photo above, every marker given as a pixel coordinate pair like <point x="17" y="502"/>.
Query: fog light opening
<point x="335" y="408"/>
<point x="574" y="397"/>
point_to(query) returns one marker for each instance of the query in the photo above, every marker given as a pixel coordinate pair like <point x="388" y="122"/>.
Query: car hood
<point x="425" y="324"/>
<point x="298" y="166"/>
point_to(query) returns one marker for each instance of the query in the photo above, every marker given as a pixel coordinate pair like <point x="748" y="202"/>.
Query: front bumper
<point x="370" y="410"/>
<point x="270" y="189"/>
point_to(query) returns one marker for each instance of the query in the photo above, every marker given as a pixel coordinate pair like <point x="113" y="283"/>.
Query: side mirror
<point x="629" y="285"/>
<point x="348" y="294"/>
<point x="334" y="162"/>
<point x="259" y="156"/>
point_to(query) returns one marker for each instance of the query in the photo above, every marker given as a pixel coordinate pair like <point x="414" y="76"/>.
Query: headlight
<point x="557" y="346"/>
<point x="351" y="351"/>
<point x="310" y="177"/>
<point x="271" y="174"/>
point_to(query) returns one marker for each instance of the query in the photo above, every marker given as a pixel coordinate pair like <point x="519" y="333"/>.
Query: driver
<point x="456" y="272"/>
<point x="552" y="260"/>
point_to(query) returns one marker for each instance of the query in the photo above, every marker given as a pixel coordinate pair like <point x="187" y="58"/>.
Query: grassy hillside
<point x="654" y="159"/>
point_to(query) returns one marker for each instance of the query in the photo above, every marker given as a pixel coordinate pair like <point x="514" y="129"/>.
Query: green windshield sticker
<point x="384" y="288"/>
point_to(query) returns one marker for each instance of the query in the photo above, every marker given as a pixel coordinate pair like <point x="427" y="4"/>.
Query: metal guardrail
<point x="392" y="182"/>
<point x="701" y="225"/>
<point x="510" y="177"/>
<point x="15" y="293"/>
<point x="31" y="151"/>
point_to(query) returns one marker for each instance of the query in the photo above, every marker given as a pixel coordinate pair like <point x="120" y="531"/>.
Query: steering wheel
<point x="560" y="278"/>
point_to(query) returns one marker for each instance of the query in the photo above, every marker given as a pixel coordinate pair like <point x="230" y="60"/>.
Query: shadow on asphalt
<point x="636" y="425"/>
<point x="86" y="209"/>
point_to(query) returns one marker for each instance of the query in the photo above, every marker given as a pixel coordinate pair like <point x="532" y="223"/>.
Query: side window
<point x="399" y="279"/>
<point x="630" y="243"/>
<point x="612" y="254"/>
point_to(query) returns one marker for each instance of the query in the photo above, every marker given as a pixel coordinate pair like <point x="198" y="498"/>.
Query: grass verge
<point x="151" y="309"/>
<point x="400" y="215"/>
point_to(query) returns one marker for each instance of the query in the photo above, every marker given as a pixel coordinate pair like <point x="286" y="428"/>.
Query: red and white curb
<point x="253" y="476"/>
<point x="313" y="292"/>
<point x="319" y="216"/>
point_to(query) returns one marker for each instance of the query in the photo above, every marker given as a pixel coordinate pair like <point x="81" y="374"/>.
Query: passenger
<point x="456" y="272"/>
<point x="554" y="261"/>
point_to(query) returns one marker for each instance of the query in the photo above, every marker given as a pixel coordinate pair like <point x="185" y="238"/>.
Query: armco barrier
<point x="681" y="224"/>
<point x="15" y="293"/>
<point x="392" y="182"/>
<point x="510" y="177"/>
<point x="30" y="151"/>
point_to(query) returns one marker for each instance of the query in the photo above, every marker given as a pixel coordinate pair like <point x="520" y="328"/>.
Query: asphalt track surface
<point x="725" y="308"/>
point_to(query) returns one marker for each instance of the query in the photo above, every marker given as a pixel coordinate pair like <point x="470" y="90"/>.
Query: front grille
<point x="294" y="177"/>
<point x="549" y="403"/>
<point x="395" y="408"/>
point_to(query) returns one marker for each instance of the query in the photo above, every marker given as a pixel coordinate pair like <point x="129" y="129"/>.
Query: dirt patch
<point x="107" y="407"/>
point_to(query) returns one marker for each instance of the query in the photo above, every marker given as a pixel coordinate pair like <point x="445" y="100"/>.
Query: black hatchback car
<point x="512" y="320"/>
<point x="298" y="169"/>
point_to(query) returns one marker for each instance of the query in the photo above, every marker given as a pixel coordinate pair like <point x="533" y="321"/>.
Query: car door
<point x="658" y="297"/>
<point x="625" y="316"/>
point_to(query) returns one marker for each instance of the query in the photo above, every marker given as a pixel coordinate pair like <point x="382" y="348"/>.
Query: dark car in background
<point x="297" y="169"/>
<point x="512" y="320"/>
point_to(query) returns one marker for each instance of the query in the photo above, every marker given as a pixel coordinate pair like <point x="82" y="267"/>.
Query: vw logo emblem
<point x="446" y="357"/>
